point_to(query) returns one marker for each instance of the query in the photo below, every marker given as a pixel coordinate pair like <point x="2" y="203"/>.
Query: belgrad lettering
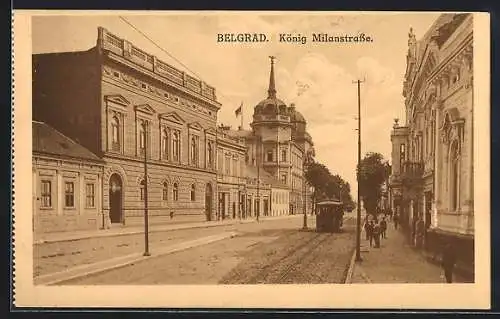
<point x="241" y="37"/>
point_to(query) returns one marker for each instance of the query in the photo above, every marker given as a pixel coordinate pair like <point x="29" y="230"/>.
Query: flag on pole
<point x="238" y="110"/>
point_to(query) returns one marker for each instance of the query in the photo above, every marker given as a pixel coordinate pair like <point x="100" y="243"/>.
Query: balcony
<point x="412" y="171"/>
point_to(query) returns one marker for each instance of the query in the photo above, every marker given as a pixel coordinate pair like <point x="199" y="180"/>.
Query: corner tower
<point x="273" y="131"/>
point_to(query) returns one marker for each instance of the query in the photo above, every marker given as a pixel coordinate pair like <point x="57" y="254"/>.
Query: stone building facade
<point x="67" y="183"/>
<point x="126" y="105"/>
<point x="432" y="154"/>
<point x="231" y="172"/>
<point x="278" y="144"/>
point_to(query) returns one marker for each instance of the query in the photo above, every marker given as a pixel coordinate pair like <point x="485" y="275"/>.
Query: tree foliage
<point x="328" y="186"/>
<point x="372" y="172"/>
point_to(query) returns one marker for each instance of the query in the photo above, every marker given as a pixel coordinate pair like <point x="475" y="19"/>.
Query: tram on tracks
<point x="329" y="216"/>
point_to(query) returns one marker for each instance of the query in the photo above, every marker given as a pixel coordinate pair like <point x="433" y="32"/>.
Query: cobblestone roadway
<point x="58" y="256"/>
<point x="238" y="259"/>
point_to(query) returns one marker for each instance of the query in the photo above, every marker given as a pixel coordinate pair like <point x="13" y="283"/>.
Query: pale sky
<point x="240" y="72"/>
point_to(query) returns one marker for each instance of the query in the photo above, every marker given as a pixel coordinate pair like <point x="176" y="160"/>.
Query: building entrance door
<point x="115" y="199"/>
<point x="208" y="202"/>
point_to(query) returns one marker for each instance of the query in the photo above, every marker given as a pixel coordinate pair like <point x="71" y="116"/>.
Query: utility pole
<point x="358" y="219"/>
<point x="258" y="176"/>
<point x="304" y="189"/>
<point x="146" y="217"/>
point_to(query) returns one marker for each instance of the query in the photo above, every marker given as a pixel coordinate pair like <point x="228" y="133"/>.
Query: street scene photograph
<point x="257" y="149"/>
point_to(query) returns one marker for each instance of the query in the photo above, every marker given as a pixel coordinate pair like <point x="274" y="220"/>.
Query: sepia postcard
<point x="225" y="159"/>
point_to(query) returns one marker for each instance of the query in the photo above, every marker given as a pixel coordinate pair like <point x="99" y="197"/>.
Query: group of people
<point x="376" y="229"/>
<point x="375" y="226"/>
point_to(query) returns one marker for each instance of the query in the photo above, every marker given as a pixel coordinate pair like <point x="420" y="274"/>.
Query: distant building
<point x="67" y="183"/>
<point x="120" y="102"/>
<point x="432" y="154"/>
<point x="277" y="144"/>
<point x="231" y="174"/>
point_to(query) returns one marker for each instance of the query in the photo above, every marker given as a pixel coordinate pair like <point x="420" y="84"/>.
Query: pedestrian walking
<point x="419" y="228"/>
<point x="448" y="262"/>
<point x="369" y="231"/>
<point x="376" y="235"/>
<point x="396" y="221"/>
<point x="365" y="227"/>
<point x="383" y="227"/>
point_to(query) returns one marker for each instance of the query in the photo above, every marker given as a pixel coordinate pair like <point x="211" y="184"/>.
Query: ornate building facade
<point x="231" y="174"/>
<point x="129" y="108"/>
<point x="277" y="144"/>
<point x="432" y="154"/>
<point x="134" y="111"/>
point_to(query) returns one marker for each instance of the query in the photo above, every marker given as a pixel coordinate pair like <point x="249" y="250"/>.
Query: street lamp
<point x="311" y="191"/>
<point x="306" y="163"/>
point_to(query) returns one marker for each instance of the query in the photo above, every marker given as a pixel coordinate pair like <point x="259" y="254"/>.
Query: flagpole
<point x="241" y="126"/>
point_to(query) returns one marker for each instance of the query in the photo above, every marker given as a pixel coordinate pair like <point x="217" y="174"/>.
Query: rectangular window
<point x="220" y="163"/>
<point x="46" y="193"/>
<point x="283" y="155"/>
<point x="228" y="165"/>
<point x="90" y="195"/>
<point x="69" y="194"/>
<point x="269" y="156"/>
<point x="235" y="167"/>
<point x="283" y="178"/>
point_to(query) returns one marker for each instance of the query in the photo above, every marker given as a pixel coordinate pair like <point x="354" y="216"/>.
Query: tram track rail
<point x="285" y="264"/>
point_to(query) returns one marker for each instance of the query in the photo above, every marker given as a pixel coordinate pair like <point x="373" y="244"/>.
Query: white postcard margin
<point x="387" y="296"/>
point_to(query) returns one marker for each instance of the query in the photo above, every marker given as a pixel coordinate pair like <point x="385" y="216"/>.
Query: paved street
<point x="269" y="252"/>
<point x="60" y="255"/>
<point x="395" y="262"/>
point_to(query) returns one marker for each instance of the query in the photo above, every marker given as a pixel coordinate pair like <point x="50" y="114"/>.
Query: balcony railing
<point x="123" y="48"/>
<point x="412" y="170"/>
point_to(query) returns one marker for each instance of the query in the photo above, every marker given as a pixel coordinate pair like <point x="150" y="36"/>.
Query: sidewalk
<point x="122" y="261"/>
<point x="139" y="229"/>
<point x="395" y="262"/>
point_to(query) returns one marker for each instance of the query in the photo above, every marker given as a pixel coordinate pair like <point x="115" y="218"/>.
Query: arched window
<point x="142" y="136"/>
<point x="454" y="176"/>
<point x="164" y="144"/>
<point x="193" y="192"/>
<point x="165" y="191"/>
<point x="175" y="192"/>
<point x="115" y="133"/>
<point x="176" y="145"/>
<point x="142" y="189"/>
<point x="193" y="150"/>
<point x="210" y="155"/>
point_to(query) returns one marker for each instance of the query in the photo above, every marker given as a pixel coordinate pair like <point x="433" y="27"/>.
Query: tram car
<point x="329" y="216"/>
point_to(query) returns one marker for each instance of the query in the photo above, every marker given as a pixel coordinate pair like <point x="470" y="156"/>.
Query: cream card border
<point x="395" y="296"/>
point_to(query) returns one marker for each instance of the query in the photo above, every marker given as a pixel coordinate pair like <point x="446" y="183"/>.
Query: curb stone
<point x="351" y="268"/>
<point x="122" y="261"/>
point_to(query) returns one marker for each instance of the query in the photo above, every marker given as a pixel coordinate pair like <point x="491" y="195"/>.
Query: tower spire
<point x="271" y="92"/>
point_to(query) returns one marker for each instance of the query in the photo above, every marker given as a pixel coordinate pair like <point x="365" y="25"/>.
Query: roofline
<point x="97" y="159"/>
<point x="67" y="157"/>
